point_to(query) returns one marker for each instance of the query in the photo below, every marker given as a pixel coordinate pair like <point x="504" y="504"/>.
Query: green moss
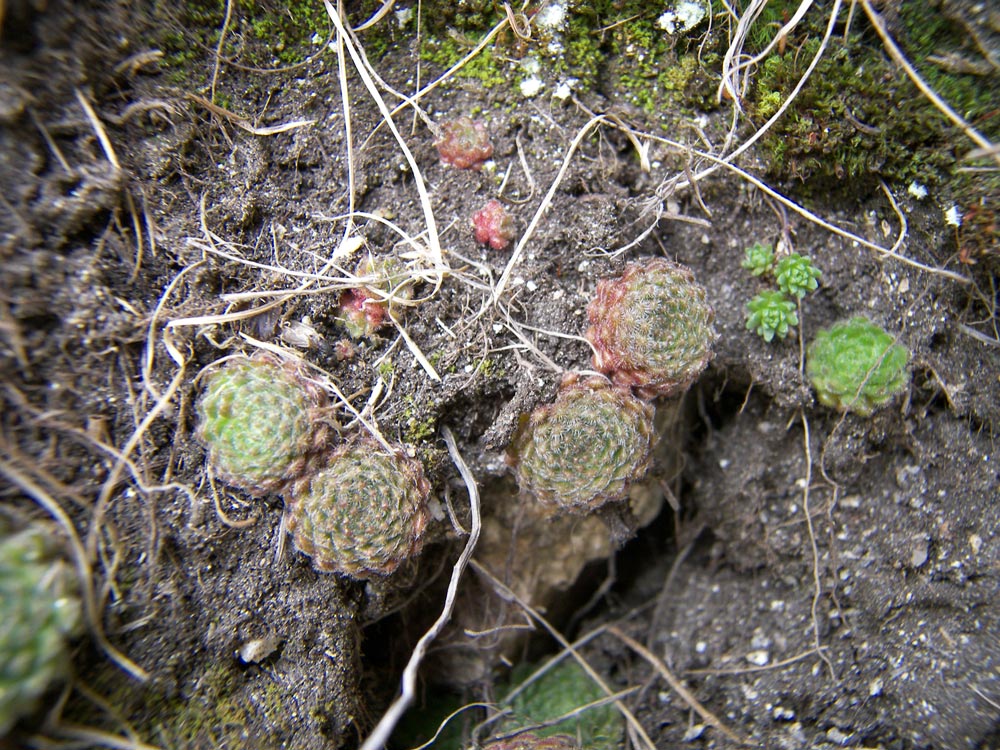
<point x="859" y="118"/>
<point x="608" y="40"/>
<point x="484" y="67"/>
<point x="928" y="32"/>
<point x="418" y="425"/>
<point x="856" y="120"/>
<point x="214" y="710"/>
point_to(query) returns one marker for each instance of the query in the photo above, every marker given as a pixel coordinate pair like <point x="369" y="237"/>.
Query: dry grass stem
<point x="678" y="687"/>
<point x="382" y="731"/>
<point x="508" y="594"/>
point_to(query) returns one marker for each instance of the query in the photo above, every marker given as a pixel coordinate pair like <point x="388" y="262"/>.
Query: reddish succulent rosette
<point x="651" y="328"/>
<point x="493" y="226"/>
<point x="464" y="143"/>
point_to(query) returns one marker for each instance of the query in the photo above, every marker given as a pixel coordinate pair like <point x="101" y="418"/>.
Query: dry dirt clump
<point x="186" y="184"/>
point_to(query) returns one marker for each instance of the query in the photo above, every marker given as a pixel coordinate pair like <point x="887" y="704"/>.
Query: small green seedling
<point x="771" y="314"/>
<point x="759" y="259"/>
<point x="796" y="275"/>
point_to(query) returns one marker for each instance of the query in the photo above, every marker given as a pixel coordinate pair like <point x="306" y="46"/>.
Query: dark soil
<point x="826" y="580"/>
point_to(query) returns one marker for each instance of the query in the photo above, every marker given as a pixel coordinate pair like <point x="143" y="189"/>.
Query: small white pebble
<point x="667" y="21"/>
<point x="531" y="85"/>
<point x="532" y="286"/>
<point x="760" y="657"/>
<point x="403" y="16"/>
<point x="952" y="217"/>
<point x="917" y="190"/>
<point x="552" y="16"/>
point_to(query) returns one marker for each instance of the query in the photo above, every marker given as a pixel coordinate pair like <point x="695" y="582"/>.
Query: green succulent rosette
<point x="857" y="366"/>
<point x="363" y="513"/>
<point x="797" y="275"/>
<point x="771" y="314"/>
<point x="758" y="259"/>
<point x="531" y="741"/>
<point x="561" y="690"/>
<point x="39" y="610"/>
<point x="651" y="328"/>
<point x="260" y="421"/>
<point x="586" y="448"/>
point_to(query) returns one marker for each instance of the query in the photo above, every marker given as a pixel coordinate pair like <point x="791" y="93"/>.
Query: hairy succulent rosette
<point x="530" y="741"/>
<point x="856" y="366"/>
<point x="652" y="328"/>
<point x="586" y="448"/>
<point x="464" y="143"/>
<point x="363" y="513"/>
<point x="260" y="420"/>
<point x="560" y="691"/>
<point x="493" y="226"/>
<point x="39" y="610"/>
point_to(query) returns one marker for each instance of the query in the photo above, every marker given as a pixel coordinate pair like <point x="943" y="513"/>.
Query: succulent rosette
<point x="652" y="328"/>
<point x="464" y="143"/>
<point x="531" y="741"/>
<point x="363" y="513"/>
<point x="493" y="226"/>
<point x="260" y="420"/>
<point x="584" y="449"/>
<point x="857" y="366"/>
<point x="40" y="608"/>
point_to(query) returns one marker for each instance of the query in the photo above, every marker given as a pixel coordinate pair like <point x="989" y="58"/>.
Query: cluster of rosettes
<point x="771" y="313"/>
<point x="586" y="448"/>
<point x="39" y="610"/>
<point x="651" y="329"/>
<point x="652" y="334"/>
<point x="857" y="366"/>
<point x="357" y="509"/>
<point x="363" y="513"/>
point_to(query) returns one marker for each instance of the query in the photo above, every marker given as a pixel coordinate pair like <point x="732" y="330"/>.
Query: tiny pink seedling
<point x="464" y="143"/>
<point x="493" y="226"/>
